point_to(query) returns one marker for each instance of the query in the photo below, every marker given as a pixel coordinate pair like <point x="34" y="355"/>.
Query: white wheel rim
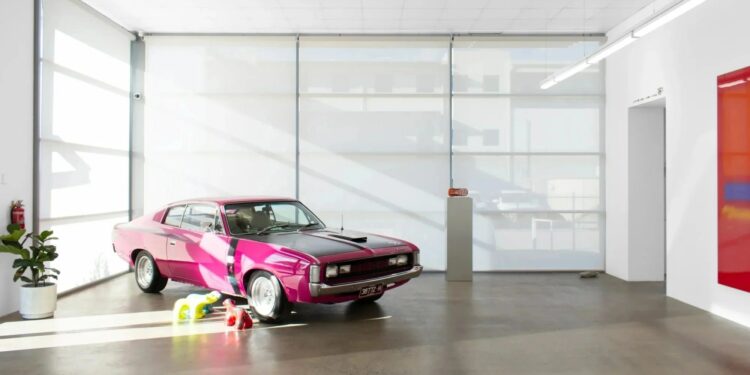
<point x="144" y="272"/>
<point x="263" y="296"/>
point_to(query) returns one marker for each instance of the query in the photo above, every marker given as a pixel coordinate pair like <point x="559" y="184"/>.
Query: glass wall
<point x="373" y="127"/>
<point x="83" y="150"/>
<point x="530" y="158"/>
<point x="219" y="117"/>
<point x="374" y="136"/>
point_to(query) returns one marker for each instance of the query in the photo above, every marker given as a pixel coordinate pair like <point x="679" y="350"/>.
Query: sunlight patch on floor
<point x="98" y="329"/>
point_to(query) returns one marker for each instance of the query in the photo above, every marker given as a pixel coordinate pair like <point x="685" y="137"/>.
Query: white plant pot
<point x="39" y="302"/>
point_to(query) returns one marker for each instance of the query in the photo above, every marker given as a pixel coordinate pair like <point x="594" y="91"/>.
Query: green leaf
<point x="26" y="279"/>
<point x="28" y="263"/>
<point x="19" y="274"/>
<point x="23" y="253"/>
<point x="13" y="235"/>
<point x="45" y="234"/>
<point x="55" y="270"/>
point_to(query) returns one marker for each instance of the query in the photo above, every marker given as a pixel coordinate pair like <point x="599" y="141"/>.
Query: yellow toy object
<point x="194" y="306"/>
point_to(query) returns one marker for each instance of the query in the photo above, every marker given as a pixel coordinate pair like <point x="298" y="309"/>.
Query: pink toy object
<point x="273" y="251"/>
<point x="236" y="316"/>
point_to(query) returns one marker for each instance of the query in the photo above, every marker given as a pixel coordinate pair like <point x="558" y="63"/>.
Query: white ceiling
<point x="369" y="16"/>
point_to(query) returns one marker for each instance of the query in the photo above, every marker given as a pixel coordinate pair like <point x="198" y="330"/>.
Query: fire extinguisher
<point x="17" y="214"/>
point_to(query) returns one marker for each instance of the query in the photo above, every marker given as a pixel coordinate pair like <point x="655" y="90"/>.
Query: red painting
<point x="734" y="179"/>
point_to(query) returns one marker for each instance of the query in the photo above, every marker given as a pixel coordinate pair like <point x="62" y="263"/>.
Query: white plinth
<point x="459" y="239"/>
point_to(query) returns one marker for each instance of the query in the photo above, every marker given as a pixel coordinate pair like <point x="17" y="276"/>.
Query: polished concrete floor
<point x="499" y="324"/>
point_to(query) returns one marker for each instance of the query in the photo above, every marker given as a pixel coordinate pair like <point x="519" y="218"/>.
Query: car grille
<point x="369" y="268"/>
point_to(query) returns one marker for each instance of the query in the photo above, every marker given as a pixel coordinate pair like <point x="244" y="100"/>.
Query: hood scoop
<point x="357" y="239"/>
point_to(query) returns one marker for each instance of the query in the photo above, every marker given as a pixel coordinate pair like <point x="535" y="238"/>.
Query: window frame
<point x="190" y="205"/>
<point x="166" y="215"/>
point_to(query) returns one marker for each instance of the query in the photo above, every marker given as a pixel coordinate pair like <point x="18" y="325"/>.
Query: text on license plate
<point x="371" y="290"/>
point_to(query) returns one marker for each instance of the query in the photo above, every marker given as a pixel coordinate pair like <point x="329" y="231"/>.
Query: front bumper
<point x="319" y="289"/>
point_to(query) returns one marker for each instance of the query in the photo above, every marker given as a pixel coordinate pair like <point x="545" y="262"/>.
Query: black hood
<point x="320" y="243"/>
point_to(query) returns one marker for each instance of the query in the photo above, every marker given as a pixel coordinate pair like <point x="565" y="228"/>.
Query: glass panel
<point x="367" y="105"/>
<point x="75" y="180"/>
<point x="530" y="158"/>
<point x="537" y="241"/>
<point x="494" y="66"/>
<point x="373" y="65"/>
<point x="219" y="118"/>
<point x="546" y="183"/>
<point x="85" y="247"/>
<point x="85" y="112"/>
<point x="526" y="124"/>
<point x="83" y="153"/>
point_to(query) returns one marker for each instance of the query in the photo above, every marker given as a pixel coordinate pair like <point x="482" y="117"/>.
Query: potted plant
<point x="38" y="293"/>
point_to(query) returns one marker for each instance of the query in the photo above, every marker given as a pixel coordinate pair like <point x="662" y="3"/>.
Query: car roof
<point x="230" y="200"/>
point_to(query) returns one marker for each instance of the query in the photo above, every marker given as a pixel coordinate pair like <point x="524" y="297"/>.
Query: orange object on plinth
<point x="458" y="192"/>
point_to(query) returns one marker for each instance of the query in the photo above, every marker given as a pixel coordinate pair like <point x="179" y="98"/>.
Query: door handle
<point x="172" y="242"/>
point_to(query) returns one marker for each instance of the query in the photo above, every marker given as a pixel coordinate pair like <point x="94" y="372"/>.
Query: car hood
<point x="321" y="243"/>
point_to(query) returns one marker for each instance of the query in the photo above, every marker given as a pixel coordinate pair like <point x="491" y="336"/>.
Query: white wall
<point x="684" y="58"/>
<point x="646" y="194"/>
<point x="16" y="129"/>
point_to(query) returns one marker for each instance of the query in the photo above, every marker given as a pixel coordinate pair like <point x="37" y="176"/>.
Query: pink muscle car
<point x="274" y="251"/>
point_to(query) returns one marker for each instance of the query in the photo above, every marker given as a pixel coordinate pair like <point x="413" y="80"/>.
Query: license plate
<point x="370" y="290"/>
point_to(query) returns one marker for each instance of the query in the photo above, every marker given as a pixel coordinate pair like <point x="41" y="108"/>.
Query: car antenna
<point x="342" y="221"/>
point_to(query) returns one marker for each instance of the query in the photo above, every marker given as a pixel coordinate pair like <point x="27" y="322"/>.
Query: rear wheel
<point x="147" y="275"/>
<point x="266" y="298"/>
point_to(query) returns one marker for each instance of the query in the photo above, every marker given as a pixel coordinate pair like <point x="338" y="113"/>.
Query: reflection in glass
<point x="530" y="158"/>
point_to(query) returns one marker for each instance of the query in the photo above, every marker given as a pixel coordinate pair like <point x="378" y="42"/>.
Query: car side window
<point x="174" y="216"/>
<point x="200" y="217"/>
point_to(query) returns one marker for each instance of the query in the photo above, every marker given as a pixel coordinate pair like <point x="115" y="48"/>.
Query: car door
<point x="199" y="249"/>
<point x="173" y="242"/>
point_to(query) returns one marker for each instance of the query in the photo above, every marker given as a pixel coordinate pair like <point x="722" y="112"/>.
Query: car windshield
<point x="267" y="217"/>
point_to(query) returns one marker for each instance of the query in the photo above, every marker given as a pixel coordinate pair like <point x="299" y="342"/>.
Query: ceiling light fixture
<point x="665" y="17"/>
<point x="644" y="29"/>
<point x="610" y="48"/>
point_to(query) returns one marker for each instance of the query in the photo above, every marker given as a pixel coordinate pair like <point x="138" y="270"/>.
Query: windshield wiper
<point x="306" y="226"/>
<point x="274" y="226"/>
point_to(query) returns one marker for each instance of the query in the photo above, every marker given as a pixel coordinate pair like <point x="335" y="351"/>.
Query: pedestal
<point x="459" y="239"/>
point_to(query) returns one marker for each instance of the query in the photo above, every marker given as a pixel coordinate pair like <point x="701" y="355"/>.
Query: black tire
<point x="367" y="300"/>
<point x="153" y="284"/>
<point x="281" y="308"/>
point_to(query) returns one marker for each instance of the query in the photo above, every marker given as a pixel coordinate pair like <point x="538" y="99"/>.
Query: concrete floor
<point x="501" y="323"/>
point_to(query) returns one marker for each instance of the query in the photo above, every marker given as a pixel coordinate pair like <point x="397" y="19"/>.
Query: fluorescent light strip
<point x="665" y="17"/>
<point x="654" y="23"/>
<point x="611" y="48"/>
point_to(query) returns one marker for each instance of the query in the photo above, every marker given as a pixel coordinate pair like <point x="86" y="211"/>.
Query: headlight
<point x="392" y="261"/>
<point x="332" y="270"/>
<point x="401" y="260"/>
<point x="346" y="268"/>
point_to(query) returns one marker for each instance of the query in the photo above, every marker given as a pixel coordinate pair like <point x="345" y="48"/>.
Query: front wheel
<point x="147" y="275"/>
<point x="266" y="298"/>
